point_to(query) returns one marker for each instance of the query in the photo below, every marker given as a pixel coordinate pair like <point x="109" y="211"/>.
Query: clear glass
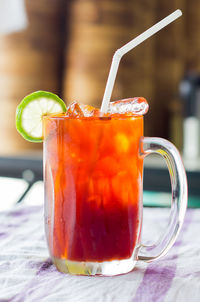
<point x="93" y="174"/>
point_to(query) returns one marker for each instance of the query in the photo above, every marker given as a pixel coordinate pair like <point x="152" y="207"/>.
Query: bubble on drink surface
<point x="78" y="110"/>
<point x="137" y="105"/>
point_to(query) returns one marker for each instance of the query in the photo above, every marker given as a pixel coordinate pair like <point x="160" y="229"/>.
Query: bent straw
<point x="126" y="48"/>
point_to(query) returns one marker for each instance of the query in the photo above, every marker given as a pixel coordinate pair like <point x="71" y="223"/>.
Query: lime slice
<point x="30" y="111"/>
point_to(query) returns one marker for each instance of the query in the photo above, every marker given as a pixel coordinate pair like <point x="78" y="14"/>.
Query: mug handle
<point x="179" y="188"/>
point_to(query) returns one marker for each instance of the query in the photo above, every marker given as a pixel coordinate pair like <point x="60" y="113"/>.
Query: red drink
<point x="93" y="184"/>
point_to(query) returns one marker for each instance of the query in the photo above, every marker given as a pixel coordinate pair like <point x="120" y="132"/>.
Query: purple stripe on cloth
<point x="43" y="277"/>
<point x="159" y="275"/>
<point x="24" y="211"/>
<point x="45" y="266"/>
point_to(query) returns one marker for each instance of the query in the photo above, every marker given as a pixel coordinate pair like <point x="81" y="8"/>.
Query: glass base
<point x="107" y="268"/>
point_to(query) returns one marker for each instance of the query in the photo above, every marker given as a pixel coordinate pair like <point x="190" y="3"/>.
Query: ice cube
<point x="137" y="105"/>
<point x="74" y="110"/>
<point x="80" y="110"/>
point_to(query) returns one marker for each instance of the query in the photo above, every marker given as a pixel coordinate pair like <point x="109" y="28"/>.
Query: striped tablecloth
<point x="27" y="274"/>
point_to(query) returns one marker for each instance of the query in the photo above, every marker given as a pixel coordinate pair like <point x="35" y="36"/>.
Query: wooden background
<point x="29" y="60"/>
<point x="68" y="47"/>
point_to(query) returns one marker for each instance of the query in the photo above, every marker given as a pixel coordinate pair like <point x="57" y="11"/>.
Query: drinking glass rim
<point x="93" y="118"/>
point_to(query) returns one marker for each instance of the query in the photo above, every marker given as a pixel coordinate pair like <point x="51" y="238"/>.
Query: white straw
<point x="126" y="48"/>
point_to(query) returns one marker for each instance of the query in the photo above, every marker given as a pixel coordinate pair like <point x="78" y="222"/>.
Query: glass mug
<point x="93" y="175"/>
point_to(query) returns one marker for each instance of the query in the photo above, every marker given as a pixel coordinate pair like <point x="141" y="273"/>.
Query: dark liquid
<point x="93" y="180"/>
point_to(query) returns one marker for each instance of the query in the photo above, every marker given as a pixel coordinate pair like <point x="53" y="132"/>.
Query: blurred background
<point x="66" y="47"/>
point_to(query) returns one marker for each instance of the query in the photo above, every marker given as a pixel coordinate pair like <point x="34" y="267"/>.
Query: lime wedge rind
<point x="30" y="111"/>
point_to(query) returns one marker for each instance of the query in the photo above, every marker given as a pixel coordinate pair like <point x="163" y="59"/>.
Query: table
<point x="27" y="274"/>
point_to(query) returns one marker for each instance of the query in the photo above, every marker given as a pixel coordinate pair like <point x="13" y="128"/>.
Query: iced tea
<point x="93" y="185"/>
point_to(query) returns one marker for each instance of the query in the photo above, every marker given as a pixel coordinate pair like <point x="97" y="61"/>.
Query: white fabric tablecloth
<point x="27" y="274"/>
